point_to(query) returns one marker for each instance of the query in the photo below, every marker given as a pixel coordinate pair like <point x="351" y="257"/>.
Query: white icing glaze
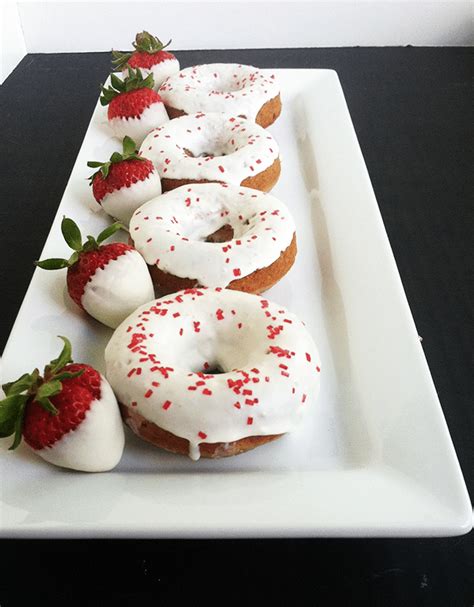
<point x="161" y="71"/>
<point x="122" y="203"/>
<point x="240" y="148"/>
<point x="138" y="128"/>
<point x="170" y="231"/>
<point x="117" y="289"/>
<point x="269" y="362"/>
<point x="220" y="87"/>
<point x="96" y="445"/>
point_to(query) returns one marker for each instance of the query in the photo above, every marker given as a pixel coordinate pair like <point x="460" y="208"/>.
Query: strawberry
<point x="149" y="56"/>
<point x="69" y="415"/>
<point x="125" y="182"/>
<point x="134" y="107"/>
<point x="107" y="281"/>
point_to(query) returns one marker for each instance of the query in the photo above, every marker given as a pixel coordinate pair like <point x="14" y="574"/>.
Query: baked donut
<point x="215" y="235"/>
<point x="213" y="147"/>
<point x="239" y="90"/>
<point x="212" y="372"/>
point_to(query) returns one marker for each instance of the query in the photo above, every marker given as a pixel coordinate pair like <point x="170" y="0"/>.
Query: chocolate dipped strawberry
<point x="69" y="416"/>
<point x="125" y="182"/>
<point x="149" y="55"/>
<point x="107" y="281"/>
<point x="134" y="107"/>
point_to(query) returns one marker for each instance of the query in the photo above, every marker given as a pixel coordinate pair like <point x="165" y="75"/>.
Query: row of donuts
<point x="211" y="370"/>
<point x="214" y="226"/>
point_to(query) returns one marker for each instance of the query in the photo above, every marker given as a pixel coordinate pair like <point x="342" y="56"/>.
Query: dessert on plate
<point x="125" y="182"/>
<point x="215" y="235"/>
<point x="212" y="372"/>
<point x="213" y="147"/>
<point x="108" y="281"/>
<point x="238" y="90"/>
<point x="149" y="55"/>
<point x="68" y="416"/>
<point x="134" y="107"/>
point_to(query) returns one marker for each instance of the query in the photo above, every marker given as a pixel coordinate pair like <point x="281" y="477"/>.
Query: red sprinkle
<point x="308" y="357"/>
<point x="166" y="405"/>
<point x="202" y="435"/>
<point x="249" y="421"/>
<point x="148" y="393"/>
<point x="221" y="168"/>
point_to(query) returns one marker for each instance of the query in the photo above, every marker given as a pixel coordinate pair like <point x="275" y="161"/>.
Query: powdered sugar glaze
<point x="211" y="147"/>
<point x="170" y="231"/>
<point x="157" y="359"/>
<point x="220" y="87"/>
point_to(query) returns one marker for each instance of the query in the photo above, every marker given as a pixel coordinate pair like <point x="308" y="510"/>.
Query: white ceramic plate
<point x="375" y="457"/>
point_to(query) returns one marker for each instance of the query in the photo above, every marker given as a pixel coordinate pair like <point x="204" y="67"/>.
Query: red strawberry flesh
<point x="146" y="60"/>
<point x="121" y="175"/>
<point x="132" y="103"/>
<point x="79" y="274"/>
<point x="42" y="429"/>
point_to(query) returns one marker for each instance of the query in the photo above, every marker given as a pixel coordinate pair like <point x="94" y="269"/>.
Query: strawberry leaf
<point x="119" y="60"/>
<point x="18" y="426"/>
<point x="73" y="259"/>
<point x="68" y="375"/>
<point x="147" y="43"/>
<point x="90" y="244"/>
<point x="129" y="146"/>
<point x="116" y="82"/>
<point x="109" y="231"/>
<point x="47" y="404"/>
<point x="11" y="416"/>
<point x="50" y="388"/>
<point x="64" y="358"/>
<point x="71" y="233"/>
<point x="20" y="385"/>
<point x="52" y="264"/>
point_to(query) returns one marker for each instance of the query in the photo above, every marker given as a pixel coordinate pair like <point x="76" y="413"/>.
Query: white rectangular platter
<point x="374" y="458"/>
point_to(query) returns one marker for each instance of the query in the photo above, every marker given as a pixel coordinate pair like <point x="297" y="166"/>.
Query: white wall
<point x="13" y="47"/>
<point x="75" y="26"/>
<point x="99" y="26"/>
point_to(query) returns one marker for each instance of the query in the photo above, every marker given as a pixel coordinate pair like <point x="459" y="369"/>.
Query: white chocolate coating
<point x="269" y="362"/>
<point x="240" y="148"/>
<point x="161" y="71"/>
<point x="170" y="231"/>
<point x="117" y="289"/>
<point x="235" y="89"/>
<point x="138" y="128"/>
<point x="122" y="203"/>
<point x="96" y="445"/>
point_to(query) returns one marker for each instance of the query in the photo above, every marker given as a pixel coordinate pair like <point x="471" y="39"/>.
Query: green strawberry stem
<point x="72" y="235"/>
<point x="130" y="152"/>
<point x="132" y="82"/>
<point x="145" y="43"/>
<point x="32" y="386"/>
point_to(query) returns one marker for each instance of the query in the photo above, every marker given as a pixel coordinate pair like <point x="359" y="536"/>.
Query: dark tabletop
<point x="412" y="111"/>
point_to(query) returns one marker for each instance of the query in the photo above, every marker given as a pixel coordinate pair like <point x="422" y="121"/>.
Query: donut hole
<point x="223" y="234"/>
<point x="190" y="154"/>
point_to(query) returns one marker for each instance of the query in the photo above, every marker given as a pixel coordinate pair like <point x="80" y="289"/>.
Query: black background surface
<point x="412" y="111"/>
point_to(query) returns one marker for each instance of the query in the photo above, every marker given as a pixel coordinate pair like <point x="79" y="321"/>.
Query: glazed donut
<point x="212" y="372"/>
<point x="240" y="90"/>
<point x="215" y="235"/>
<point x="213" y="148"/>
